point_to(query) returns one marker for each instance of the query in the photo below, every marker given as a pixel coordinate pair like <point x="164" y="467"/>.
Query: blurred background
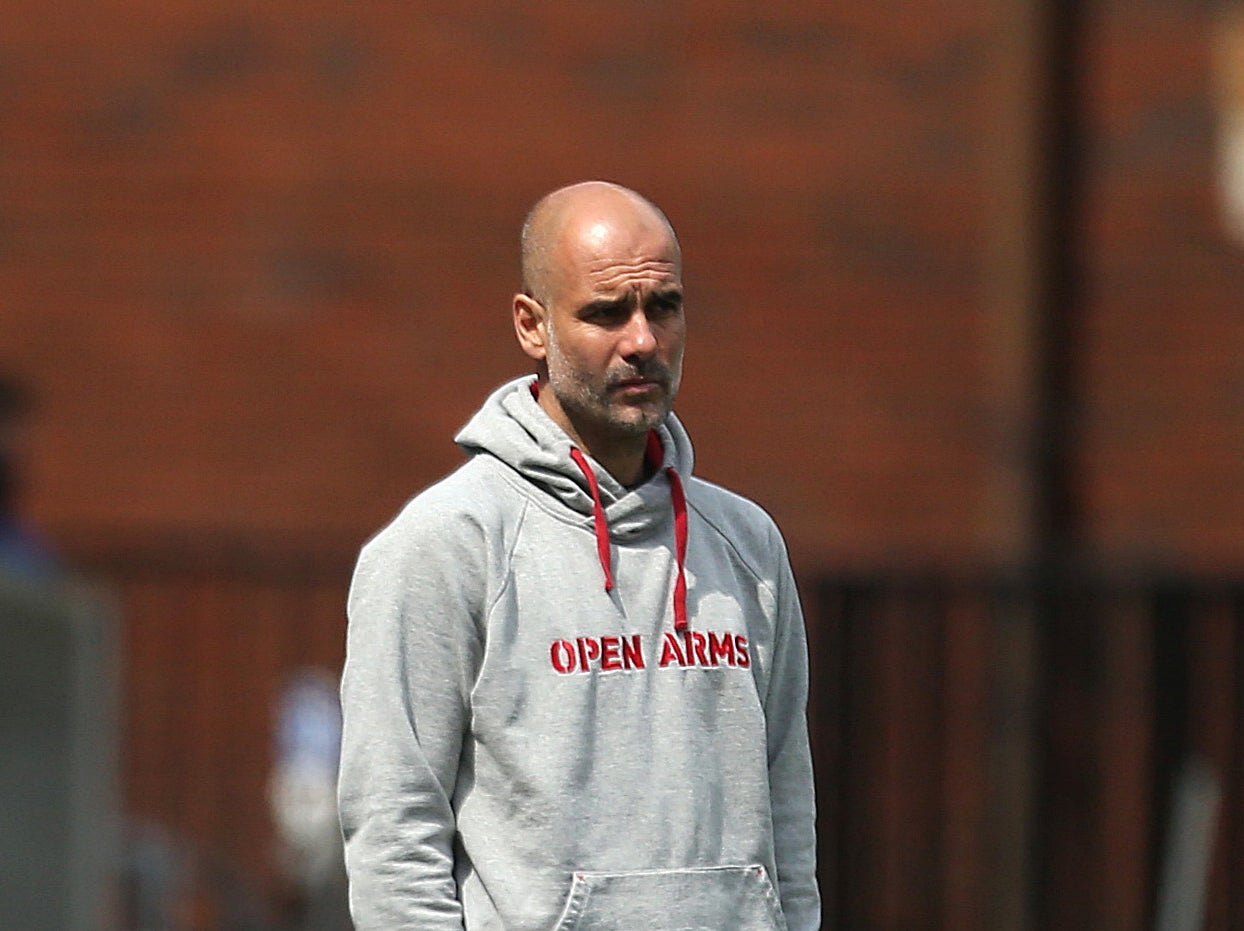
<point x="966" y="302"/>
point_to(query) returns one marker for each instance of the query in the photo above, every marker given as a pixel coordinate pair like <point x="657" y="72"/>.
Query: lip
<point x="638" y="386"/>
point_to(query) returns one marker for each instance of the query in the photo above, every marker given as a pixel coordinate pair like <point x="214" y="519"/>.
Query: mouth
<point x="638" y="385"/>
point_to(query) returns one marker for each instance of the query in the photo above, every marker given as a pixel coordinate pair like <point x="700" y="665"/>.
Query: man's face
<point x="615" y="328"/>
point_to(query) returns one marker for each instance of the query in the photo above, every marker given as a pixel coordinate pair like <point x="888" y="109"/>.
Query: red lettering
<point x="740" y="650"/>
<point x="589" y="650"/>
<point x="632" y="654"/>
<point x="561" y="653"/>
<point x="610" y="657"/>
<point x="721" y="648"/>
<point x="695" y="643"/>
<point x="670" y="651"/>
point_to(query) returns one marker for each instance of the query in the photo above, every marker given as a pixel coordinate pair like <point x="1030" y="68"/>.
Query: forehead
<point x="609" y="255"/>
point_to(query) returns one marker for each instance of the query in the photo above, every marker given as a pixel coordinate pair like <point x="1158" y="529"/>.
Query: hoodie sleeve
<point x="790" y="760"/>
<point x="412" y="648"/>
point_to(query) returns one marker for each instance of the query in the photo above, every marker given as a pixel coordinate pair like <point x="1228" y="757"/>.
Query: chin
<point x="641" y="421"/>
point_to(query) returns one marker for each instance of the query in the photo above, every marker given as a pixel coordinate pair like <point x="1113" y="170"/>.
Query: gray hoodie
<point x="552" y="721"/>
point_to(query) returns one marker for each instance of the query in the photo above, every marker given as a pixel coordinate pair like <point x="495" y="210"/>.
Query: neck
<point x="623" y="459"/>
<point x="622" y="456"/>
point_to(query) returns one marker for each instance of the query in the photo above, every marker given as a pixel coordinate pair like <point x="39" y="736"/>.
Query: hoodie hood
<point x="513" y="427"/>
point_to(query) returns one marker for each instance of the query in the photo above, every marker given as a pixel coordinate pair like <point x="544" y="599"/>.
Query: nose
<point x="638" y="338"/>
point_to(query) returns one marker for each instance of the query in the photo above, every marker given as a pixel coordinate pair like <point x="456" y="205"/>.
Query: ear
<point x="529" y="326"/>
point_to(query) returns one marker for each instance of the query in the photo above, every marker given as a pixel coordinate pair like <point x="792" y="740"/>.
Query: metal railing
<point x="995" y="753"/>
<point x="991" y="753"/>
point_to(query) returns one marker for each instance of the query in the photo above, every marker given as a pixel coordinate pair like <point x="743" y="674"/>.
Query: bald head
<point x="571" y="217"/>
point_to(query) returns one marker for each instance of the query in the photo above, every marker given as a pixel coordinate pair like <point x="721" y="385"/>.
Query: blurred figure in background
<point x="23" y="551"/>
<point x="58" y="747"/>
<point x="303" y="795"/>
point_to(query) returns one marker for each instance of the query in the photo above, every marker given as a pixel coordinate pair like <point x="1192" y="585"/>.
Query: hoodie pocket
<point x="719" y="898"/>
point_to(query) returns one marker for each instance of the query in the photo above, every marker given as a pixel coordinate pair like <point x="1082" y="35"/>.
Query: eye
<point x="606" y="313"/>
<point x="665" y="306"/>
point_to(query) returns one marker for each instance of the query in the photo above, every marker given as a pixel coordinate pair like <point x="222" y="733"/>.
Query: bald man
<point x="576" y="677"/>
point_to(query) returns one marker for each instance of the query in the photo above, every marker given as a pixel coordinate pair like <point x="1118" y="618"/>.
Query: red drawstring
<point x="600" y="525"/>
<point x="680" y="548"/>
<point x="598" y="517"/>
<point x="678" y="499"/>
<point x="656" y="455"/>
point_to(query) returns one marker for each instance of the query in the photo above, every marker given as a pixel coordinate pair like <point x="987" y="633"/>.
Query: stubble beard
<point x="595" y="405"/>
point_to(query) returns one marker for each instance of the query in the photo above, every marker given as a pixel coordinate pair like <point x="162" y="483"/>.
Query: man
<point x="576" y="676"/>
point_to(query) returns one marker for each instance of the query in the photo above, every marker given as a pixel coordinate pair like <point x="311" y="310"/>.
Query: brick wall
<point x="259" y="262"/>
<point x="1163" y="330"/>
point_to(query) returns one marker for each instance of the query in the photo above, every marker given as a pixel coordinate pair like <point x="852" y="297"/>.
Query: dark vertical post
<point x="1069" y="645"/>
<point x="1058" y="510"/>
<point x="1032" y="518"/>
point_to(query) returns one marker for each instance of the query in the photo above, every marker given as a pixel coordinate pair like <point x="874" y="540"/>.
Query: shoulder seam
<point x="509" y="558"/>
<point x="747" y="563"/>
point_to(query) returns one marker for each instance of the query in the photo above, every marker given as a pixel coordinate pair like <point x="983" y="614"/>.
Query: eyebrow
<point x="666" y="296"/>
<point x="608" y="304"/>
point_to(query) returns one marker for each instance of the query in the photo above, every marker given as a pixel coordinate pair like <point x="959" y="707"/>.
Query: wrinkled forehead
<point x="609" y="278"/>
<point x="602" y="249"/>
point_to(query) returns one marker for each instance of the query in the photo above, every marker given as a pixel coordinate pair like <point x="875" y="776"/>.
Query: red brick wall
<point x="1163" y="432"/>
<point x="259" y="263"/>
